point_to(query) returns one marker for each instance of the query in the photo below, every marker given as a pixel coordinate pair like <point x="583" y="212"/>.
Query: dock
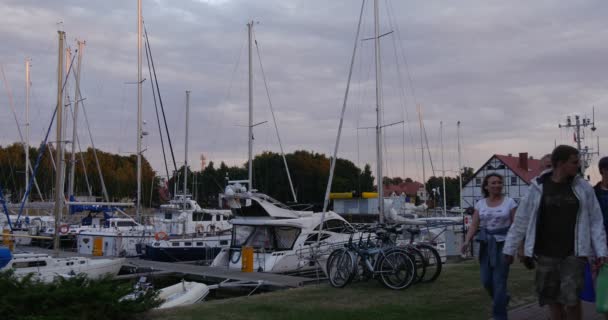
<point x="218" y="274"/>
<point x="214" y="274"/>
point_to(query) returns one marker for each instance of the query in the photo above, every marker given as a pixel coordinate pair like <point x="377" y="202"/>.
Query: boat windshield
<point x="272" y="238"/>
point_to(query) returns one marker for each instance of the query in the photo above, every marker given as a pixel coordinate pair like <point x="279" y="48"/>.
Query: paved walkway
<point x="534" y="312"/>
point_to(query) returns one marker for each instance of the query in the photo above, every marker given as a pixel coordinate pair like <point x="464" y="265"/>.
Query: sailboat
<point x="282" y="240"/>
<point x="43" y="266"/>
<point x="112" y="240"/>
<point x="46" y="268"/>
<point x="185" y="231"/>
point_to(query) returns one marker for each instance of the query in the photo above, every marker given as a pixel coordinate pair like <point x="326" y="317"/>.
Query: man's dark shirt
<point x="602" y="198"/>
<point x="556" y="220"/>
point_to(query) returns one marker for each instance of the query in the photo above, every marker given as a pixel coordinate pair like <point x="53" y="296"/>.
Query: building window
<point x="477" y="181"/>
<point x="513" y="181"/>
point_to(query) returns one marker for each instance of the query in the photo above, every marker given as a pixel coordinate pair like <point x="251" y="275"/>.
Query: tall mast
<point x="460" y="169"/>
<point x="58" y="144"/>
<point x="378" y="115"/>
<point x="250" y="139"/>
<point x="186" y="152"/>
<point x="139" y="112"/>
<point x="27" y="130"/>
<point x="64" y="127"/>
<point x="422" y="152"/>
<point x="442" y="168"/>
<point x="75" y="120"/>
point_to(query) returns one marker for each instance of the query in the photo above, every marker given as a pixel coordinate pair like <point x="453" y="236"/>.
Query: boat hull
<point x="182" y="294"/>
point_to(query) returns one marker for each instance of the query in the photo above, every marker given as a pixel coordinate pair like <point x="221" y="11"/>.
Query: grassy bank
<point x="457" y="294"/>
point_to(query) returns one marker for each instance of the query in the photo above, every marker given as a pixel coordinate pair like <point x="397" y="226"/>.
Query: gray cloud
<point x="510" y="71"/>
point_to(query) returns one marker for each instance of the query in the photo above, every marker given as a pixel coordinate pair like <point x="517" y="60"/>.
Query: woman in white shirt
<point x="493" y="216"/>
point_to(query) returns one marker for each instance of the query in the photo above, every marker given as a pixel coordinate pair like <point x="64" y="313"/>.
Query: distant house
<point x="410" y="189"/>
<point x="517" y="172"/>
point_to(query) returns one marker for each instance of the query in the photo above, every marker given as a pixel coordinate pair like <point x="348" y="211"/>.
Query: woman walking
<point x="493" y="216"/>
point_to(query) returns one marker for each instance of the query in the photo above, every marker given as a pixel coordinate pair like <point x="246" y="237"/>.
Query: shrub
<point x="69" y="298"/>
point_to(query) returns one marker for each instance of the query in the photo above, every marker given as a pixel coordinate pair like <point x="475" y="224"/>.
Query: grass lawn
<point x="457" y="294"/>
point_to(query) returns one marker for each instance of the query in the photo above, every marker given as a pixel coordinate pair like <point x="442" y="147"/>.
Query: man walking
<point x="562" y="224"/>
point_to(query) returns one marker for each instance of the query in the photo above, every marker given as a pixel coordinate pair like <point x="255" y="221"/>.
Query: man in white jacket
<point x="562" y="223"/>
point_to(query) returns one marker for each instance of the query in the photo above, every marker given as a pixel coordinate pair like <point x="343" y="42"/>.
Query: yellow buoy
<point x="341" y="195"/>
<point x="369" y="195"/>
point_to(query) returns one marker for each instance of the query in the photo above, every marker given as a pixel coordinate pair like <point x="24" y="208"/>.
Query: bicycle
<point x="392" y="266"/>
<point x="419" y="258"/>
<point x="433" y="264"/>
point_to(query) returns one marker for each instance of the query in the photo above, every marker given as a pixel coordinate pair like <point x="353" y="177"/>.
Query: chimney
<point x="510" y="154"/>
<point x="523" y="160"/>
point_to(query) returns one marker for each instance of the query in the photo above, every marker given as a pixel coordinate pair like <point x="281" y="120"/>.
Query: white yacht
<point x="114" y="237"/>
<point x="283" y="240"/>
<point x="186" y="232"/>
<point x="183" y="216"/>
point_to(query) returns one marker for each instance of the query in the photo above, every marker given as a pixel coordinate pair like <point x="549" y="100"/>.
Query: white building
<point x="517" y="172"/>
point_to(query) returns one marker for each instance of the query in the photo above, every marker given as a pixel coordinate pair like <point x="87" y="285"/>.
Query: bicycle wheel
<point x="433" y="262"/>
<point x="420" y="262"/>
<point x="397" y="270"/>
<point x="340" y="267"/>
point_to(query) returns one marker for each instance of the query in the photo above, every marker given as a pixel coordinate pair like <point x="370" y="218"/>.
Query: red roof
<point x="409" y="188"/>
<point x="513" y="163"/>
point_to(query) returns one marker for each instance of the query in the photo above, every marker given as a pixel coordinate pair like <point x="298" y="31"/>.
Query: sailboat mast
<point x="74" y="120"/>
<point x="186" y="152"/>
<point x="460" y="169"/>
<point x="422" y="152"/>
<point x="442" y="169"/>
<point x="250" y="139"/>
<point x="139" y="111"/>
<point x="27" y="131"/>
<point x="378" y="116"/>
<point x="59" y="152"/>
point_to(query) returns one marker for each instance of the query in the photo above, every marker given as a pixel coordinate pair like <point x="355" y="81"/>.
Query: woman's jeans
<point x="494" y="279"/>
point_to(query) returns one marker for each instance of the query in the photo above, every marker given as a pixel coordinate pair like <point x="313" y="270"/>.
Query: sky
<point x="510" y="72"/>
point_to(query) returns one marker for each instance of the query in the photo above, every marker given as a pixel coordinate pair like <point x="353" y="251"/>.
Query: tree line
<point x="118" y="173"/>
<point x="309" y="173"/>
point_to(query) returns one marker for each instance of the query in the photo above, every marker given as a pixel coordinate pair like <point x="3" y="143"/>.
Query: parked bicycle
<point x="392" y="266"/>
<point x="427" y="257"/>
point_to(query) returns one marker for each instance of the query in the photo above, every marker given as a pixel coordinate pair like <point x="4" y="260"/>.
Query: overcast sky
<point x="510" y="71"/>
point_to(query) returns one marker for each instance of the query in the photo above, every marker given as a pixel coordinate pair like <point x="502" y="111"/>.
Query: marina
<point x="225" y="159"/>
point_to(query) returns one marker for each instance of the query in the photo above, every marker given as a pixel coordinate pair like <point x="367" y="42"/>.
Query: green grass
<point x="457" y="294"/>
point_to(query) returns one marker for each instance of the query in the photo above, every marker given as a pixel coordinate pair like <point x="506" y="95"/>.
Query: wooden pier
<point x="214" y="274"/>
<point x="218" y="274"/>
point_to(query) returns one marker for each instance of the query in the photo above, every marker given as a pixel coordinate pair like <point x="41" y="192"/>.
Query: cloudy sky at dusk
<point x="509" y="71"/>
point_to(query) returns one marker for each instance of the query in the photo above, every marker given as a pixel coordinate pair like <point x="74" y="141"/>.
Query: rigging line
<point x="160" y="131"/>
<point x="410" y="82"/>
<point x="428" y="149"/>
<point x="160" y="99"/>
<point x="274" y="119"/>
<point x="405" y="112"/>
<point x="334" y="158"/>
<point x="9" y="93"/>
<point x="407" y="68"/>
<point x="86" y="176"/>
<point x="50" y="144"/>
<point x="236" y="66"/>
<point x="12" y="173"/>
<point x="42" y="146"/>
<point x="86" y="119"/>
<point x="84" y="168"/>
